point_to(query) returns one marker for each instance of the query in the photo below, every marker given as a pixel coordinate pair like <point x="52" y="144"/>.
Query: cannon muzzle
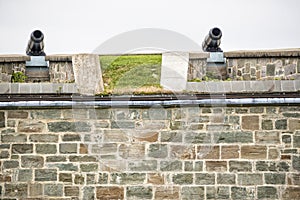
<point x="212" y="41"/>
<point x="35" y="45"/>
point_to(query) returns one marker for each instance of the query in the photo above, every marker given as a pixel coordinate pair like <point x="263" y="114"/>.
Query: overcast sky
<point x="80" y="26"/>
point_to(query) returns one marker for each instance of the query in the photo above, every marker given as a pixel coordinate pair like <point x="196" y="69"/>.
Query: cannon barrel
<point x="35" y="45"/>
<point x="212" y="41"/>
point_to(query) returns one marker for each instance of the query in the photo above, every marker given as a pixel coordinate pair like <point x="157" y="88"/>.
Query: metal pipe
<point x="167" y="103"/>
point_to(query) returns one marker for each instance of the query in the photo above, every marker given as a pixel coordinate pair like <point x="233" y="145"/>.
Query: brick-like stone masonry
<point x="156" y="153"/>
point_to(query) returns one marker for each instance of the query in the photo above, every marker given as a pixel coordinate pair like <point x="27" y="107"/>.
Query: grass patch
<point x="130" y="72"/>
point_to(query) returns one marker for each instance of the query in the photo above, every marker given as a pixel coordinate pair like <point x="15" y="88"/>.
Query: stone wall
<point x="248" y="65"/>
<point x="60" y="68"/>
<point x="155" y="153"/>
<point x="10" y="64"/>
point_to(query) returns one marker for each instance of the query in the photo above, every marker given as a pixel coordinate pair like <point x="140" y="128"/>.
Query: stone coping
<point x="263" y="53"/>
<point x="266" y="86"/>
<point x="14" y="58"/>
<point x="37" y="88"/>
<point x="209" y="87"/>
<point x="59" y="57"/>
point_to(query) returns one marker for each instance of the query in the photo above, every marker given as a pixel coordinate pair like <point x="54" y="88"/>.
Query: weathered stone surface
<point x="216" y="166"/>
<point x="122" y="125"/>
<point x="171" y="165"/>
<point x="65" y="177"/>
<point x="31" y="126"/>
<point x="2" y="119"/>
<point x="68" y="148"/>
<point x="291" y="193"/>
<point x="183" y="179"/>
<point x="158" y="151"/>
<point x="205" y="179"/>
<point x="91" y="167"/>
<point x="234" y="137"/>
<point x="296" y="163"/>
<point x="208" y="152"/>
<point x="267" y="124"/>
<point x="46" y="114"/>
<point x="56" y="159"/>
<point x="156" y="178"/>
<point x="171" y="136"/>
<point x="143" y="165"/>
<point x="162" y="193"/>
<point x="22" y="148"/>
<point x="45" y="175"/>
<point x="267" y="192"/>
<point x="272" y="166"/>
<point x="217" y="192"/>
<point x="43" y="138"/>
<point x="193" y="166"/>
<point x="192" y="192"/>
<point x="240" y="166"/>
<point x="254" y="152"/>
<point x="230" y="152"/>
<point x="267" y="137"/>
<point x="65" y="166"/>
<point x="294" y="124"/>
<point x="250" y="179"/>
<point x="32" y="161"/>
<point x="226" y="179"/>
<point x="4" y="154"/>
<point x="82" y="158"/>
<point x="46" y="148"/>
<point x="54" y="190"/>
<point x="18" y="114"/>
<point x="275" y="178"/>
<point x="9" y="164"/>
<point x="71" y="191"/>
<point x="281" y="124"/>
<point x="110" y="192"/>
<point x="24" y="175"/>
<point x="65" y="126"/>
<point x="127" y="178"/>
<point x="242" y="193"/>
<point x="115" y="136"/>
<point x="12" y="138"/>
<point x="79" y="179"/>
<point x="196" y="138"/>
<point x="71" y="137"/>
<point x="35" y="189"/>
<point x="183" y="152"/>
<point x="250" y="122"/>
<point x="16" y="190"/>
<point x="133" y="151"/>
<point x="139" y="192"/>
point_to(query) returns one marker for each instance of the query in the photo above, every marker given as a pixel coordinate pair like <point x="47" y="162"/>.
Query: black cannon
<point x="212" y="41"/>
<point x="35" y="45"/>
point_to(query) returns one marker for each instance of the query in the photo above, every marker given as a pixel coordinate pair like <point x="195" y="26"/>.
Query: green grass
<point x="130" y="72"/>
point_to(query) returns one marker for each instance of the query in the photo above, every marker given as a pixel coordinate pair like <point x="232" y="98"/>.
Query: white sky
<point x="76" y="26"/>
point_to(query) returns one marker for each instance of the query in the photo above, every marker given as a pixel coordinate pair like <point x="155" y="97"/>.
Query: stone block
<point x="65" y="126"/>
<point x="281" y="124"/>
<point x="71" y="191"/>
<point x="205" y="179"/>
<point x="294" y="124"/>
<point x="288" y="86"/>
<point x="250" y="122"/>
<point x="46" y="114"/>
<point x="110" y="192"/>
<point x="53" y="190"/>
<point x="103" y="178"/>
<point x="171" y="165"/>
<point x="183" y="179"/>
<point x="16" y="190"/>
<point x="242" y="193"/>
<point x="56" y="159"/>
<point x="208" y="152"/>
<point x="71" y="137"/>
<point x="250" y="179"/>
<point x="230" y="152"/>
<point x="35" y="189"/>
<point x="65" y="166"/>
<point x="182" y="152"/>
<point x="91" y="167"/>
<point x="65" y="177"/>
<point x="79" y="179"/>
<point x="234" y="137"/>
<point x="133" y="151"/>
<point x="267" y="125"/>
<point x="22" y="148"/>
<point x="275" y="178"/>
<point x="13" y="138"/>
<point x="253" y="152"/>
<point x="143" y="165"/>
<point x="197" y="138"/>
<point x="122" y="125"/>
<point x="192" y="192"/>
<point x="193" y="166"/>
<point x="17" y="114"/>
<point x="127" y="178"/>
<point x="46" y="148"/>
<point x="216" y="166"/>
<point x="82" y="158"/>
<point x="2" y="119"/>
<point x="25" y="175"/>
<point x="163" y="192"/>
<point x="226" y="179"/>
<point x="158" y="151"/>
<point x="139" y="192"/>
<point x="45" y="175"/>
<point x="31" y="126"/>
<point x="267" y="192"/>
<point x="217" y="192"/>
<point x="267" y="137"/>
<point x="10" y="164"/>
<point x="296" y="163"/>
<point x="240" y="166"/>
<point x="32" y="161"/>
<point x="115" y="136"/>
<point x="290" y="193"/>
<point x="68" y="148"/>
<point x="43" y="138"/>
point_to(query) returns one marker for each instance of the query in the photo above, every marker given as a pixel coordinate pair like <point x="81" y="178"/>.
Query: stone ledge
<point x="14" y="58"/>
<point x="59" y="57"/>
<point x="263" y="53"/>
<point x="244" y="86"/>
<point x="37" y="88"/>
